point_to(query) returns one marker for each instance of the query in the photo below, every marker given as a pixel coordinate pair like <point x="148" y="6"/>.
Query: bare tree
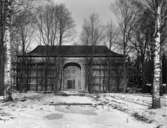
<point x="111" y="41"/>
<point x="111" y="35"/>
<point x="92" y="34"/>
<point x="65" y="24"/>
<point x="22" y="34"/>
<point x="23" y="30"/>
<point x="142" y="43"/>
<point x="55" y="26"/>
<point x="54" y="23"/>
<point x="126" y="15"/>
<point x="47" y="25"/>
<point x="65" y="32"/>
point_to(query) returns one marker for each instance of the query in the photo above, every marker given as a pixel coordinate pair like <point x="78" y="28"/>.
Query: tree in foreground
<point x="158" y="10"/>
<point x="157" y="56"/>
<point x="7" y="51"/>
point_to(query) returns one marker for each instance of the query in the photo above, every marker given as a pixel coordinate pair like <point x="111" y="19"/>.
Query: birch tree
<point x="7" y="53"/>
<point x="158" y="10"/>
<point x="157" y="58"/>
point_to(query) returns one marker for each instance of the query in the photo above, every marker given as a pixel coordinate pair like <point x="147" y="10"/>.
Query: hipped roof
<point x="73" y="51"/>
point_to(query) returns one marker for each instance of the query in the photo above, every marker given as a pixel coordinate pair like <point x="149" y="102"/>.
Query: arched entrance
<point x="72" y="76"/>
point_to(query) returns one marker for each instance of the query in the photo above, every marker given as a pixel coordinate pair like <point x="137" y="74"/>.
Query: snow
<point x="137" y="105"/>
<point x="39" y="110"/>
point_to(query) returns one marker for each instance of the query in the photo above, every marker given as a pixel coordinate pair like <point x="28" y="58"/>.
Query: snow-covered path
<point x="50" y="111"/>
<point x="65" y="118"/>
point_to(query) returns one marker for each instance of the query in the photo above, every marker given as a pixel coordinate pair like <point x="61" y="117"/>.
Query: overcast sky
<point x="82" y="9"/>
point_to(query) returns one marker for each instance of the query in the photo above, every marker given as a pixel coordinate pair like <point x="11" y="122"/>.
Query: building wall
<point x="106" y="74"/>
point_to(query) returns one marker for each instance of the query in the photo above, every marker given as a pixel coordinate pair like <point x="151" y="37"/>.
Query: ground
<point x="38" y="110"/>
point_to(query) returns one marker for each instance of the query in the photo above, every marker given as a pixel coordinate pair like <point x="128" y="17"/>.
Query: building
<point x="81" y="68"/>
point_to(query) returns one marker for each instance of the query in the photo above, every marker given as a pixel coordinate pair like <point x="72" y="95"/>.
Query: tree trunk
<point x="2" y="26"/>
<point x="7" y="66"/>
<point x="142" y="72"/>
<point x="1" y="70"/>
<point x="124" y="64"/>
<point x="1" y="63"/>
<point x="7" y="53"/>
<point x="157" y="63"/>
<point x="125" y="77"/>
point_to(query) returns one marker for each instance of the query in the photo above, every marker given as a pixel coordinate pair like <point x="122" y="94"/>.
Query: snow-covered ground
<point x="137" y="105"/>
<point x="37" y="110"/>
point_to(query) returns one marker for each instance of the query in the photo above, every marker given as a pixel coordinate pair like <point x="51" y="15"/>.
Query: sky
<point x="82" y="9"/>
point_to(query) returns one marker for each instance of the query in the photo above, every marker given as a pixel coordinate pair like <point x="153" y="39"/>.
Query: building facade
<point x="80" y="68"/>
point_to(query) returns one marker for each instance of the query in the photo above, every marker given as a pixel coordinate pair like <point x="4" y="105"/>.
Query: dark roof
<point x="73" y="51"/>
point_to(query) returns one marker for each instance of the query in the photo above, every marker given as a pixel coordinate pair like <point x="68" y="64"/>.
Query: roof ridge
<point x="71" y="45"/>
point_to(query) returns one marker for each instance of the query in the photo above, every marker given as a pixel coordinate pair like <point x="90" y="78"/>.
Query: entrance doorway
<point x="72" y="76"/>
<point x="70" y="84"/>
